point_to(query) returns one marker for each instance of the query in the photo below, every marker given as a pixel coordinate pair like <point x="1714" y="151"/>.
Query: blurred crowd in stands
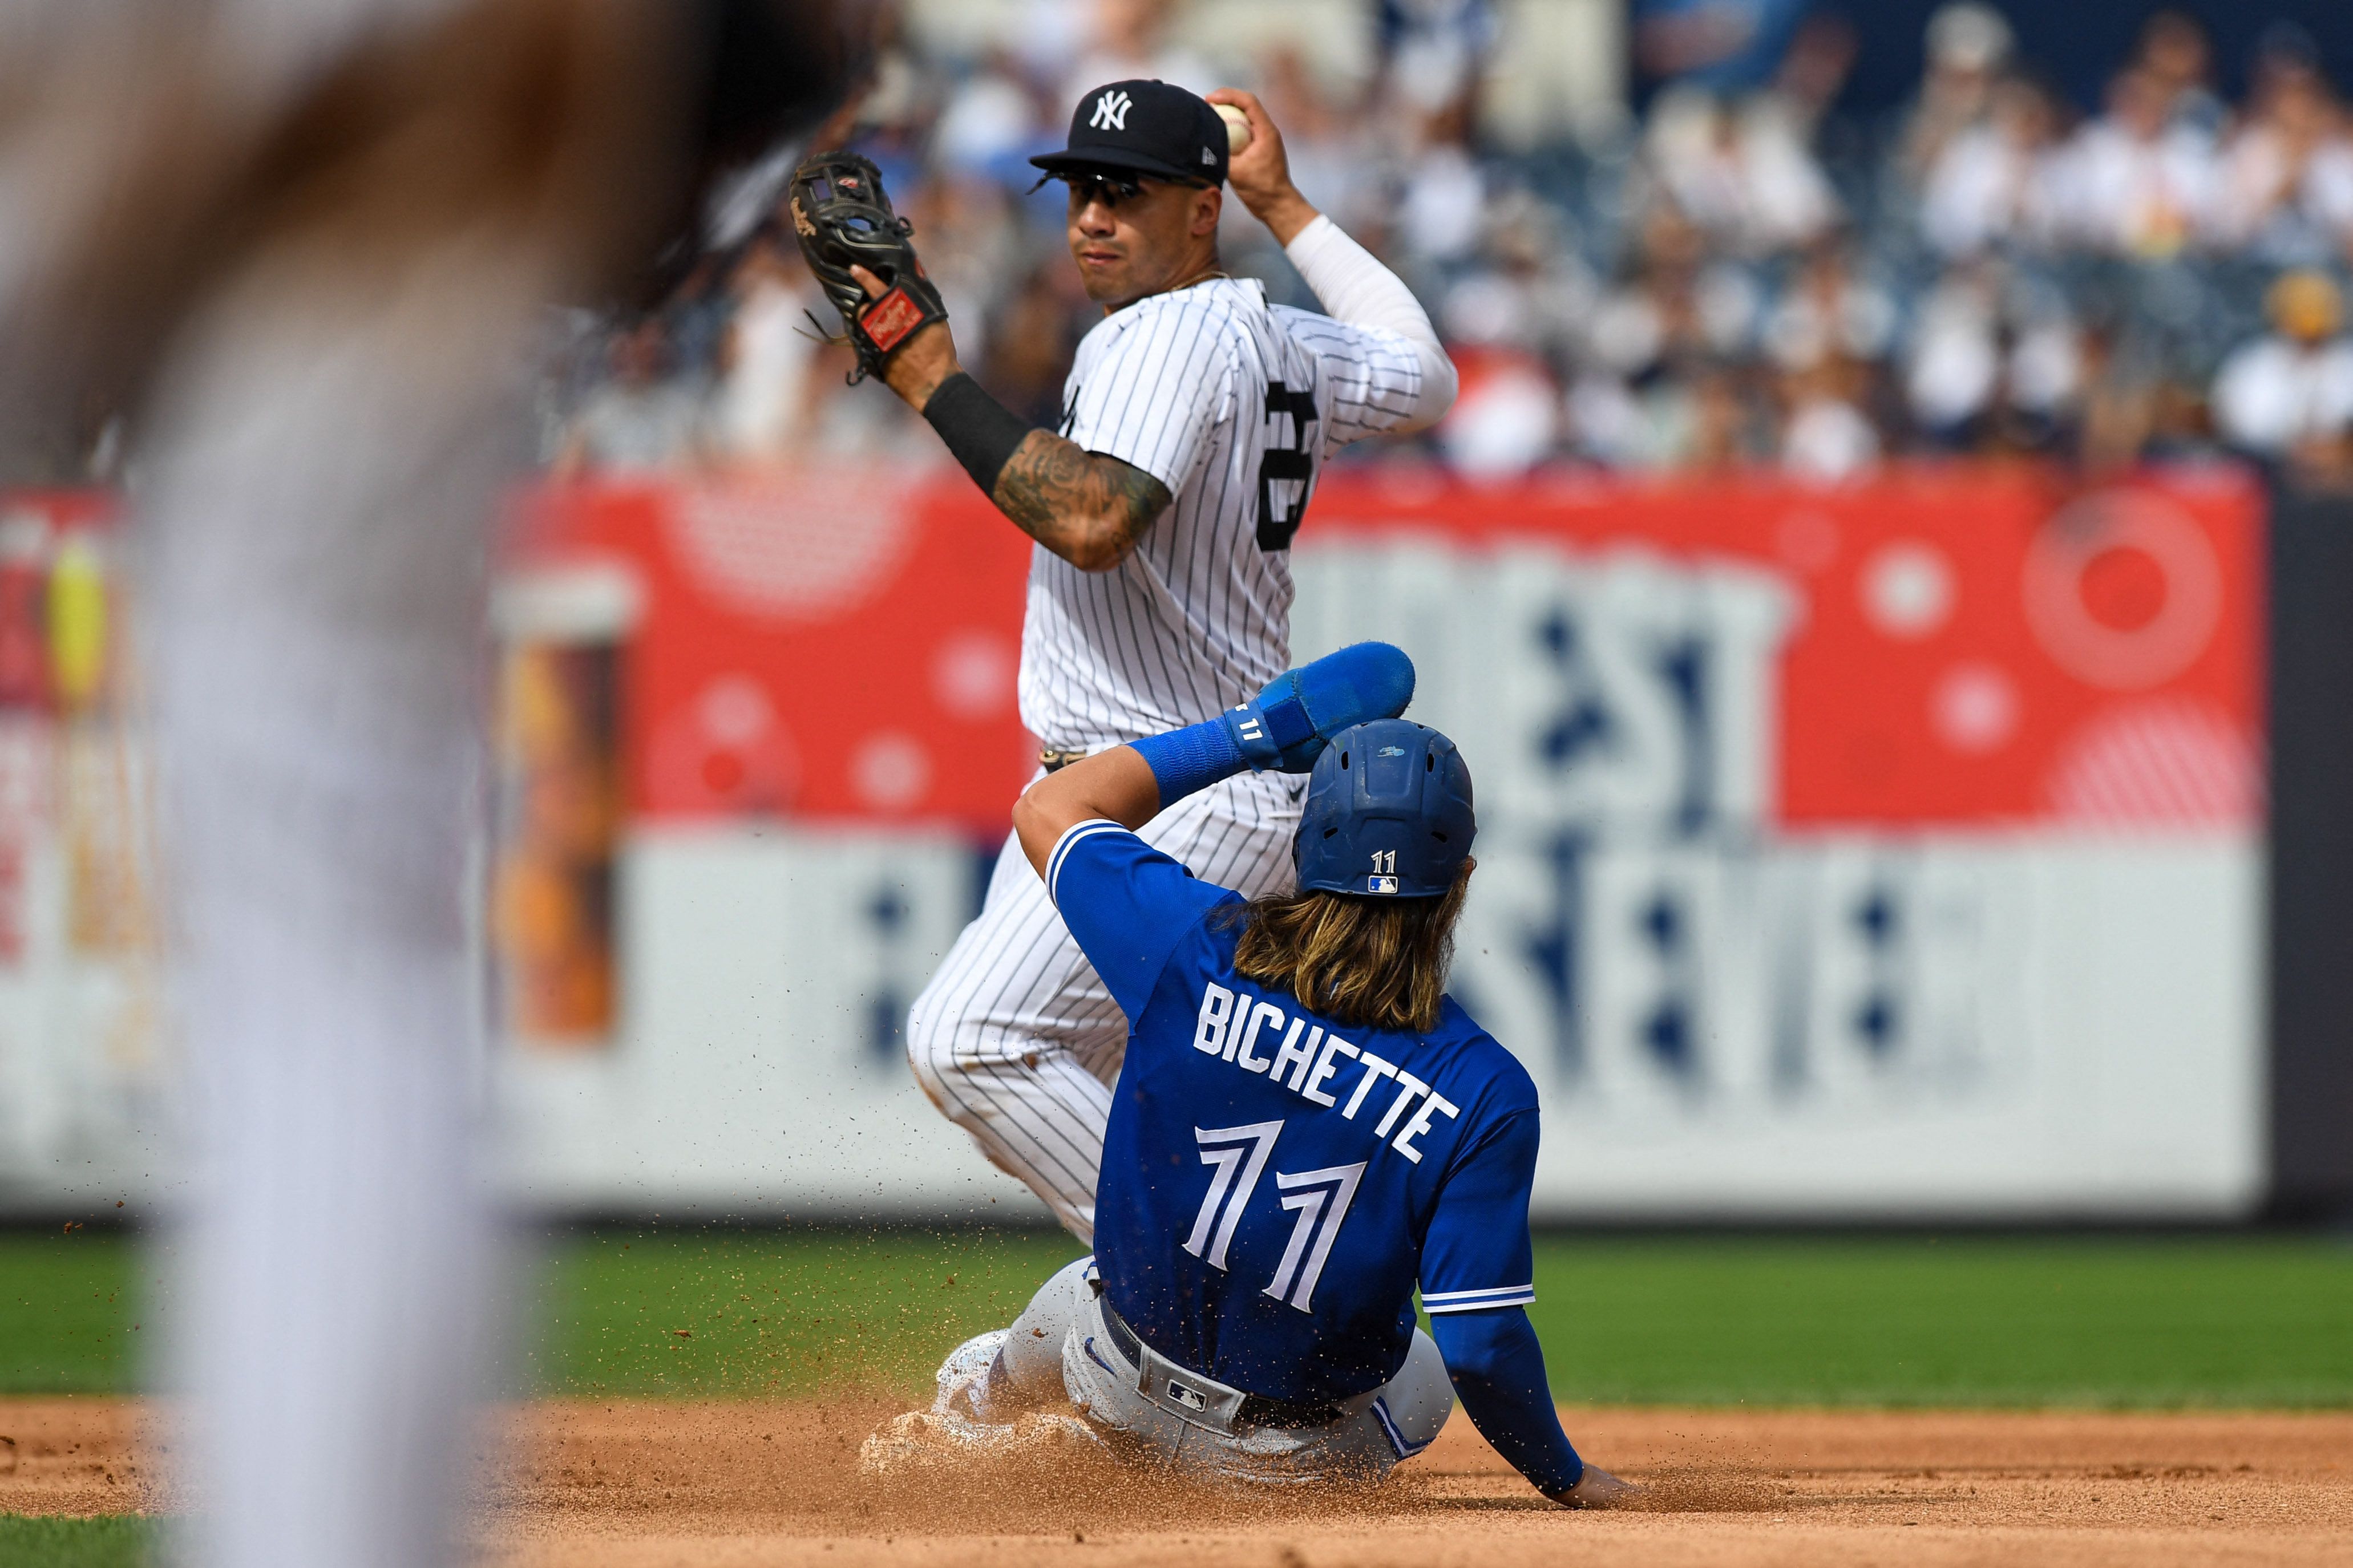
<point x="1736" y="277"/>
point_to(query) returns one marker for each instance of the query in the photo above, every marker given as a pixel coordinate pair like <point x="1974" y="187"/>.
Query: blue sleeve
<point x="1477" y="1272"/>
<point x="1499" y="1375"/>
<point x="1476" y="1254"/>
<point x="1126" y="904"/>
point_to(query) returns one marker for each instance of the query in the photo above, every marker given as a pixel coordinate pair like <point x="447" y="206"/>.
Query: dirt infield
<point x="647" y="1485"/>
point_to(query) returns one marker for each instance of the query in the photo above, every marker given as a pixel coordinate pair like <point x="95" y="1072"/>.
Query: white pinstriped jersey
<point x="1234" y="405"/>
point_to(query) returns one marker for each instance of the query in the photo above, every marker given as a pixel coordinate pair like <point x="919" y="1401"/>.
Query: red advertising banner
<point x="834" y="643"/>
<point x="1972" y="645"/>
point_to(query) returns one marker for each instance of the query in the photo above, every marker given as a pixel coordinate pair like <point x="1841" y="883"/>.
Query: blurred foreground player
<point x="308" y="245"/>
<point x="1196" y="419"/>
<point x="1306" y="1127"/>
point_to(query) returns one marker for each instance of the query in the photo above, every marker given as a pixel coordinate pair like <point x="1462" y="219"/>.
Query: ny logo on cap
<point x="1110" y="113"/>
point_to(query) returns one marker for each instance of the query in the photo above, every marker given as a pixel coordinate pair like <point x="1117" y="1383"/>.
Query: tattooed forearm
<point x="1088" y="509"/>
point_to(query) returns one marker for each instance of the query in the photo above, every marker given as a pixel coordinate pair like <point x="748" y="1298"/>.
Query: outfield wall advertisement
<point x="81" y="992"/>
<point x="1892" y="850"/>
<point x="1886" y="851"/>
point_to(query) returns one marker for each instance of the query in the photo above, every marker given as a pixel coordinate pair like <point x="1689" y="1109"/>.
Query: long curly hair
<point x="1369" y="963"/>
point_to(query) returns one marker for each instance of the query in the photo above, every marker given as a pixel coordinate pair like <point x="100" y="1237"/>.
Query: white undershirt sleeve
<point x="1353" y="287"/>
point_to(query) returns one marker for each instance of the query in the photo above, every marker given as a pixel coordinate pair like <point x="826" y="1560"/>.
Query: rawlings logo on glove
<point x="843" y="219"/>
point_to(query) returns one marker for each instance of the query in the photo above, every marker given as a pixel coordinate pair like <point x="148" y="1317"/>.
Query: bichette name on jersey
<point x="1275" y="1183"/>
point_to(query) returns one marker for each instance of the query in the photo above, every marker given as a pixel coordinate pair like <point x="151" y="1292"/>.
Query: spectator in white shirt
<point x="1505" y="418"/>
<point x="1826" y="436"/>
<point x="1955" y="363"/>
<point x="643" y="420"/>
<point x="1678" y="306"/>
<point x="757" y="406"/>
<point x="2134" y="181"/>
<point x="2285" y="186"/>
<point x="1746" y="178"/>
<point x="1532" y="291"/>
<point x="1827" y="311"/>
<point x="2289" y="394"/>
<point x="1967" y="45"/>
<point x="1992" y="184"/>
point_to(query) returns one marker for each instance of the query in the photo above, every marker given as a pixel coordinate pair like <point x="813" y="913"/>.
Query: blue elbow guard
<point x="1285" y="727"/>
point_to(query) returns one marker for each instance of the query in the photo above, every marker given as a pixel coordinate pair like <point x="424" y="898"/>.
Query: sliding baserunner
<point x="1306" y="1128"/>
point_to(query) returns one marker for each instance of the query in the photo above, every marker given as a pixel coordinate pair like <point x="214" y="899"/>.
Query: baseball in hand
<point x="1238" y="127"/>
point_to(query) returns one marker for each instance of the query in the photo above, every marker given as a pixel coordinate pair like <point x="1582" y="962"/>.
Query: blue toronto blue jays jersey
<point x="1274" y="1183"/>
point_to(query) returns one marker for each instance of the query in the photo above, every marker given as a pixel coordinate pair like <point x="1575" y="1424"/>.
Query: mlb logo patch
<point x="1380" y="884"/>
<point x="1190" y="1398"/>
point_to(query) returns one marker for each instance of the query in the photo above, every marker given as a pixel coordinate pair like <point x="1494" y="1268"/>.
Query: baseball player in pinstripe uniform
<point x="1197" y="417"/>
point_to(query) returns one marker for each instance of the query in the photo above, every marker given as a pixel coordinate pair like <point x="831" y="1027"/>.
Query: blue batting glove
<point x="1285" y="727"/>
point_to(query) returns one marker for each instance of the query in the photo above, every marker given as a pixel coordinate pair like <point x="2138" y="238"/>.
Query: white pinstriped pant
<point x="1016" y="1041"/>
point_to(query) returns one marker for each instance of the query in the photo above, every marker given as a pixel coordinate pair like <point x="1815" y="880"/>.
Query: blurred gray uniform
<point x="1233" y="405"/>
<point x="331" y="327"/>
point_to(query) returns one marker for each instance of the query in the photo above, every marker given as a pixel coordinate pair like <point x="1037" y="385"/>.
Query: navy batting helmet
<point x="1388" y="812"/>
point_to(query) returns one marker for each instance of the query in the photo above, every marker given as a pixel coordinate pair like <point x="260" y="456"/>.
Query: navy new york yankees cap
<point x="1146" y="128"/>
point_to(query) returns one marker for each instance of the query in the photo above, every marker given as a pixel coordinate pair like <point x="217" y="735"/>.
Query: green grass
<point x="2096" y="1321"/>
<point x="766" y="1313"/>
<point x="2086" y="1321"/>
<point x="69" y="1304"/>
<point x="47" y="1540"/>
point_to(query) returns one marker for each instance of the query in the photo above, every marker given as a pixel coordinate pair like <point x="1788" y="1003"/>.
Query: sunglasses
<point x="1109" y="189"/>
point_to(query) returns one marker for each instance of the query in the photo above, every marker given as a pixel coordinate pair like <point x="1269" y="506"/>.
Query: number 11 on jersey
<point x="1230" y="1150"/>
<point x="1321" y="1199"/>
<point x="1237" y="1156"/>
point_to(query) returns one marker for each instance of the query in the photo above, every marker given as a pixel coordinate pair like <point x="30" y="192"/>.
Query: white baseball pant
<point x="1059" y="1348"/>
<point x="320" y="488"/>
<point x="1016" y="1041"/>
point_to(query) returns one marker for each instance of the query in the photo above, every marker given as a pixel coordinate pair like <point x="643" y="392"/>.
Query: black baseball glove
<point x="843" y="218"/>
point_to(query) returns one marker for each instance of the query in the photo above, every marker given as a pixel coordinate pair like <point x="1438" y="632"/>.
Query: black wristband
<point x="980" y="431"/>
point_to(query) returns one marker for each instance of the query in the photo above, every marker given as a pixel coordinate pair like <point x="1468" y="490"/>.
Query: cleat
<point x="967" y="1376"/>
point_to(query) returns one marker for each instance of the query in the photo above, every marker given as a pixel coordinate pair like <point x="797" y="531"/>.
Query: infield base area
<point x="651" y="1484"/>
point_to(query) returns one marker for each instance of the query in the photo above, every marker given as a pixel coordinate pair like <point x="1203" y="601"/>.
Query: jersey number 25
<point x="1294" y="464"/>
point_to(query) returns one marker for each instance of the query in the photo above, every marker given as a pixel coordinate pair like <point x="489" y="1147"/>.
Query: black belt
<point x="1256" y="1409"/>
<point x="1054" y="762"/>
